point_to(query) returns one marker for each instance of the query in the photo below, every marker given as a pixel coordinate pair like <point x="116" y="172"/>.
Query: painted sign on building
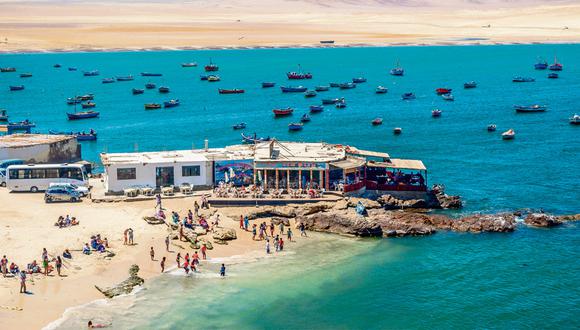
<point x="238" y="172"/>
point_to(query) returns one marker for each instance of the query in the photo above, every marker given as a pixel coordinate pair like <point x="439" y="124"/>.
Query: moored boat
<point x="268" y="84"/>
<point x="293" y="89"/>
<point x="72" y="69"/>
<point x="56" y="66"/>
<point x="530" y="108"/>
<point x="381" y="90"/>
<point x="322" y="88"/>
<point x="436" y="113"/>
<point x="80" y="136"/>
<point x="448" y="97"/>
<point x="377" y="121"/>
<point x="21" y="125"/>
<point x="408" y="96"/>
<point x="231" y="91"/>
<point x="441" y="91"/>
<point x="213" y="78"/>
<point x="83" y="115"/>
<point x="552" y="75"/>
<point x="203" y="77"/>
<point x="150" y="85"/>
<point x="316" y="108"/>
<point x="152" y="106"/>
<point x="25" y="75"/>
<point x="332" y="101"/>
<point x="575" y="120"/>
<point x="520" y="79"/>
<point x="211" y="67"/>
<point x="359" y="80"/>
<point x="163" y="89"/>
<point x="253" y="139"/>
<point x="189" y="65"/>
<point x="3" y="116"/>
<point x="305" y="118"/>
<point x="348" y="85"/>
<point x="508" y="135"/>
<point x="170" y="103"/>
<point x="334" y="85"/>
<point x="91" y="73"/>
<point x="298" y="75"/>
<point x="16" y="87"/>
<point x="282" y="112"/>
<point x="309" y="94"/>
<point x="340" y="105"/>
<point x="469" y="84"/>
<point x="397" y="70"/>
<point x="541" y="64"/>
<point x="151" y="74"/>
<point x="295" y="126"/>
<point x="239" y="126"/>
<point x="125" y="78"/>
<point x="397" y="130"/>
<point x="491" y="127"/>
<point x="108" y="80"/>
<point x="88" y="105"/>
<point x="556" y="66"/>
<point x="86" y="97"/>
<point x="8" y="69"/>
<point x="137" y="91"/>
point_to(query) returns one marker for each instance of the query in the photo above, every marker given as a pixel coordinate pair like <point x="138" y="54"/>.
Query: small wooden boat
<point x="211" y="67"/>
<point x="470" y="84"/>
<point x="397" y="70"/>
<point x="530" y="108"/>
<point x="293" y="89"/>
<point x="436" y="113"/>
<point x="340" y="105"/>
<point x="8" y="69"/>
<point x="408" y="96"/>
<point x="553" y="75"/>
<point x="151" y="74"/>
<point x="239" y="126"/>
<point x="316" y="108"/>
<point x="309" y="94"/>
<point x="491" y="127"/>
<point x="56" y="66"/>
<point x="359" y="80"/>
<point x="152" y="106"/>
<point x="298" y="75"/>
<point x="334" y="85"/>
<point x="541" y="64"/>
<point x="171" y="103"/>
<point x="508" y="135"/>
<point x="163" y="89"/>
<point x="3" y="116"/>
<point x="231" y="91"/>
<point x="575" y="120"/>
<point x="213" y="78"/>
<point x="82" y="115"/>
<point x="254" y="139"/>
<point x="80" y="136"/>
<point x="137" y="91"/>
<point x="150" y="85"/>
<point x="25" y="75"/>
<point x="377" y="121"/>
<point x="326" y="42"/>
<point x="268" y="84"/>
<point x="91" y="73"/>
<point x="108" y="80"/>
<point x="441" y="91"/>
<point x="295" y="126"/>
<point x="86" y="97"/>
<point x="16" y="87"/>
<point x="381" y="90"/>
<point x="305" y="118"/>
<point x="520" y="79"/>
<point x="88" y="105"/>
<point x="73" y="101"/>
<point x="21" y="125"/>
<point x="448" y="97"/>
<point x="125" y="78"/>
<point x="347" y="85"/>
<point x="556" y="66"/>
<point x="72" y="69"/>
<point x="282" y="112"/>
<point x="322" y="88"/>
<point x="397" y="130"/>
<point x="189" y="65"/>
<point x="332" y="101"/>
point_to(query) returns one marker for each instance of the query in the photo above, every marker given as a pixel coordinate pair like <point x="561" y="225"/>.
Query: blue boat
<point x="295" y="89"/>
<point x="149" y="74"/>
<point x="125" y="78"/>
<point x="239" y="126"/>
<point x="408" y="96"/>
<point x="21" y="125"/>
<point x="520" y="79"/>
<point x="310" y="94"/>
<point x="541" y="65"/>
<point x="80" y="136"/>
<point x="72" y="69"/>
<point x="171" y="104"/>
<point x="347" y="86"/>
<point x="137" y="91"/>
<point x="553" y="75"/>
<point x="332" y="101"/>
<point x="381" y="90"/>
<point x="57" y="66"/>
<point x="91" y="73"/>
<point x="305" y="118"/>
<point x="16" y="88"/>
<point x="397" y="70"/>
<point x="334" y="85"/>
<point x="470" y="84"/>
<point x="163" y="89"/>
<point x="150" y="85"/>
<point x="82" y="115"/>
<point x="25" y="75"/>
<point x="254" y="139"/>
<point x="316" y="108"/>
<point x="295" y="126"/>
<point x="203" y="77"/>
<point x="108" y="80"/>
<point x="268" y="84"/>
<point x="340" y="105"/>
<point x="359" y="80"/>
<point x="322" y="88"/>
<point x="3" y="116"/>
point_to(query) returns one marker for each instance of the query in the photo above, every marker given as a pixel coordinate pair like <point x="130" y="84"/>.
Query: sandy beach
<point x="28" y="226"/>
<point x="99" y="26"/>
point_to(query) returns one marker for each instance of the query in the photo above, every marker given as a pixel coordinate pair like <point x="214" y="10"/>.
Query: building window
<point x="126" y="173"/>
<point x="190" y="171"/>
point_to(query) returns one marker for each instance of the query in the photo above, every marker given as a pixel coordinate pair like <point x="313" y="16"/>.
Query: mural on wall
<point x="238" y="172"/>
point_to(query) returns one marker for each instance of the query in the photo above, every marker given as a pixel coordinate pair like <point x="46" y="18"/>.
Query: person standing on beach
<point x="281" y="244"/>
<point x="196" y="208"/>
<point x="158" y="202"/>
<point x="223" y="270"/>
<point x="195" y="259"/>
<point x="272" y="229"/>
<point x="4" y="265"/>
<point x="246" y="223"/>
<point x="204" y="251"/>
<point x="162" y="264"/>
<point x="178" y="259"/>
<point x="281" y="227"/>
<point x="22" y="281"/>
<point x="181" y="232"/>
<point x="125" y="233"/>
<point x="45" y="265"/>
<point x="289" y="235"/>
<point x="131" y="236"/>
<point x="58" y="263"/>
<point x="302" y="230"/>
<point x="152" y="254"/>
<point x="267" y="246"/>
<point x="167" y="243"/>
<point x="241" y="222"/>
<point x="254" y="232"/>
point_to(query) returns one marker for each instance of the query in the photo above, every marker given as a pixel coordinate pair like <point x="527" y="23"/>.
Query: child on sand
<point x="246" y="223"/>
<point x="289" y="235"/>
<point x="58" y="263"/>
<point x="178" y="259"/>
<point x="203" y="251"/>
<point x="163" y="264"/>
<point x="167" y="243"/>
<point x="254" y="232"/>
<point x="223" y="270"/>
<point x="152" y="254"/>
<point x="22" y="281"/>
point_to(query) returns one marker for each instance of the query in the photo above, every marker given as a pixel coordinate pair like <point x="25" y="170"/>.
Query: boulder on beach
<point x="542" y="220"/>
<point x="276" y="221"/>
<point x="224" y="234"/>
<point x="154" y="220"/>
<point x="344" y="222"/>
<point x="126" y="286"/>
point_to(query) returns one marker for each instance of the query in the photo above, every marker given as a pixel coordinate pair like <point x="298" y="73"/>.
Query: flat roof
<point x="349" y="162"/>
<point x="276" y="151"/>
<point x="26" y="140"/>
<point x="156" y="157"/>
<point x="368" y="153"/>
<point x="407" y="164"/>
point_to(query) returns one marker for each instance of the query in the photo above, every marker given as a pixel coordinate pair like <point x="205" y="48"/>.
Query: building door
<point x="164" y="176"/>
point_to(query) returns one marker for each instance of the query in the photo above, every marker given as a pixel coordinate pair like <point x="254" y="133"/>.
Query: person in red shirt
<point x="203" y="252"/>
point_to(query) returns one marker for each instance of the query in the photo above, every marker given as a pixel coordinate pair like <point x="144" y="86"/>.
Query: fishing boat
<point x="231" y="91"/>
<point x="80" y="136"/>
<point x="152" y="106"/>
<point x="170" y="103"/>
<point x="268" y="84"/>
<point x="163" y="89"/>
<point x="553" y="75"/>
<point x="332" y="101"/>
<point x="381" y="90"/>
<point x="491" y="127"/>
<point x="73" y="101"/>
<point x="327" y="42"/>
<point x="108" y="80"/>
<point x="309" y="94"/>
<point x="211" y="67"/>
<point x="316" y="108"/>
<point x="377" y="121"/>
<point x="16" y="87"/>
<point x="359" y="80"/>
<point x="334" y="85"/>
<point x="397" y="130"/>
<point x="125" y="78"/>
<point x="88" y="105"/>
<point x="21" y="125"/>
<point x="575" y="120"/>
<point x="86" y="97"/>
<point x="556" y="66"/>
<point x="520" y="79"/>
<point x="322" y="88"/>
<point x="3" y="116"/>
<point x="441" y="91"/>
<point x="25" y="75"/>
<point x="72" y="69"/>
<point x="298" y="75"/>
<point x="189" y="65"/>
<point x="57" y="66"/>
<point x="203" y="77"/>
<point x="305" y="118"/>
<point x="541" y="64"/>
<point x="436" y="113"/>
<point x="470" y="84"/>
<point x="82" y="115"/>
<point x="150" y="85"/>
<point x="508" y="135"/>
<point x="408" y="96"/>
<point x="295" y="126"/>
<point x="91" y="73"/>
<point x="293" y="89"/>
<point x="530" y="108"/>
<point x="282" y="112"/>
<point x="137" y="91"/>
<point x="397" y="70"/>
<point x="348" y="85"/>
<point x="340" y="104"/>
<point x="213" y="78"/>
<point x="254" y="139"/>
<point x="8" y="69"/>
<point x="151" y="74"/>
<point x="239" y="126"/>
<point x="448" y="97"/>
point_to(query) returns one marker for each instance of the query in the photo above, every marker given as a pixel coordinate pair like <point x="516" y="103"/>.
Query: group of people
<point x="67" y="221"/>
<point x="256" y="191"/>
<point x="97" y="244"/>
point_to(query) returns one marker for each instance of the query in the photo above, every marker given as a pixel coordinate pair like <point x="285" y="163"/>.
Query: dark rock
<point x="344" y="222"/>
<point x="126" y="286"/>
<point x="570" y="217"/>
<point x="542" y="220"/>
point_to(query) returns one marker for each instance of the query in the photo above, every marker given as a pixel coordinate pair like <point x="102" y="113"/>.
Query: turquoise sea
<point x="527" y="279"/>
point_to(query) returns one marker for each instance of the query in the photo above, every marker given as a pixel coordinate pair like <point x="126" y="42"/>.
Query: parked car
<point x="61" y="194"/>
<point x="82" y="190"/>
<point x="2" y="177"/>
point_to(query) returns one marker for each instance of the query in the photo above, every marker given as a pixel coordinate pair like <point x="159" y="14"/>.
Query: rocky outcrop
<point x="344" y="222"/>
<point x="224" y="234"/>
<point x="276" y="221"/>
<point x="570" y="217"/>
<point x="542" y="220"/>
<point x="126" y="286"/>
<point x="477" y="223"/>
<point x="154" y="220"/>
<point x="390" y="202"/>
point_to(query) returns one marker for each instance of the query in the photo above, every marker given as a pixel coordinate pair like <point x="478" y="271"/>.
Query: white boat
<point x="491" y="128"/>
<point x="381" y="90"/>
<point x="508" y="135"/>
<point x="530" y="108"/>
<point x="397" y="130"/>
<point x="575" y="120"/>
<point x="448" y="97"/>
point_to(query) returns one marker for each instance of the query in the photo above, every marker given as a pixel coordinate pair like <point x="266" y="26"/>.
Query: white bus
<point x="35" y="177"/>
